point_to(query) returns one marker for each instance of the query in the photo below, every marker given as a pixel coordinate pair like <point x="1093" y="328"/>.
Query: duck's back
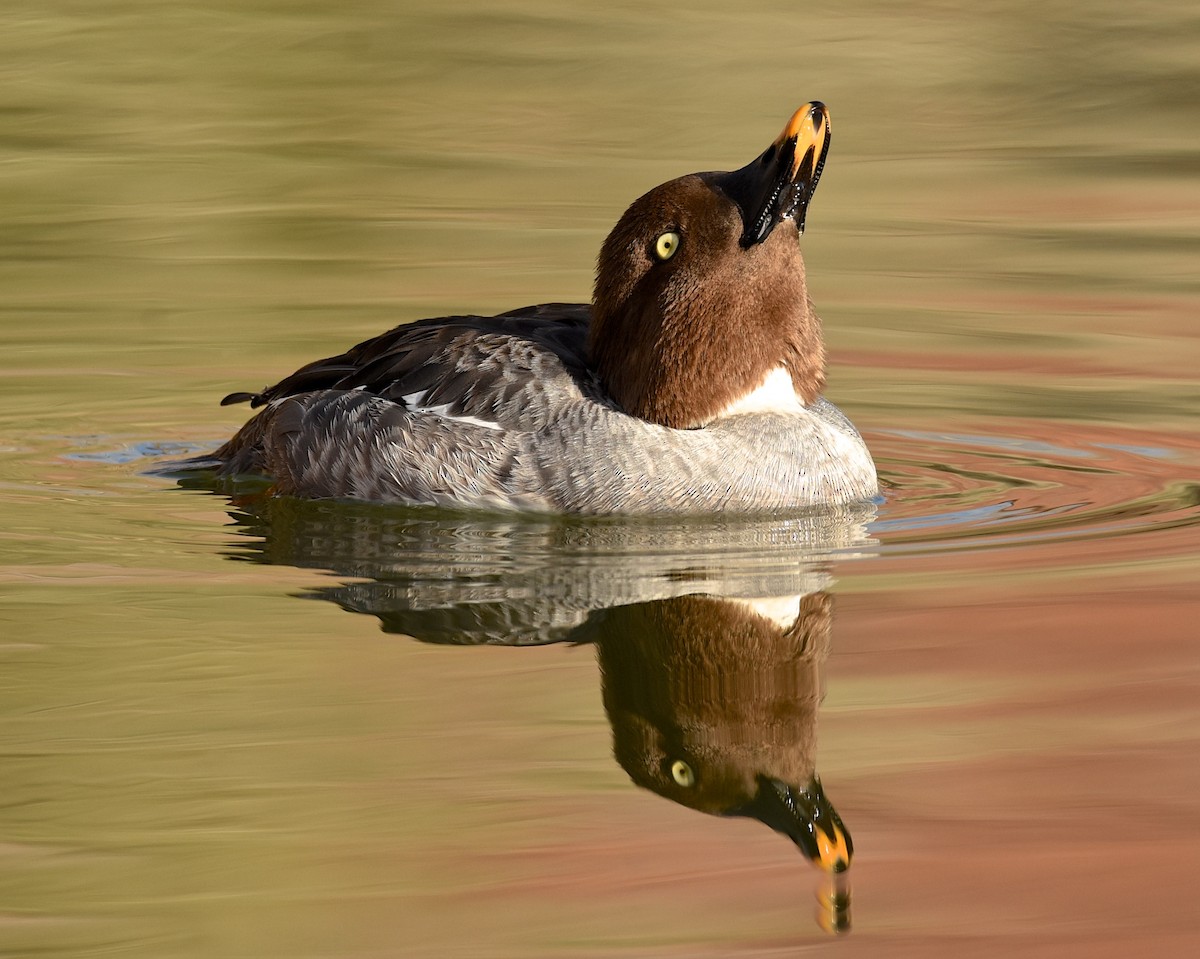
<point x="470" y="365"/>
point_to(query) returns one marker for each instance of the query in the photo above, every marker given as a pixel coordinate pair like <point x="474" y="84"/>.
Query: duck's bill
<point x="778" y="185"/>
<point x="805" y="816"/>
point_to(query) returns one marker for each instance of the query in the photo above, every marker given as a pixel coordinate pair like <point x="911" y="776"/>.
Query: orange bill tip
<point x="833" y="851"/>
<point x="809" y="126"/>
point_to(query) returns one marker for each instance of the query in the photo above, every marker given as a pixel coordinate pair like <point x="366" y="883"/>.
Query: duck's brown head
<point x="713" y="704"/>
<point x="700" y="288"/>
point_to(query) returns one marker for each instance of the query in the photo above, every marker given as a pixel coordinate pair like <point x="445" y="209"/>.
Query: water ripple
<point x="955" y="490"/>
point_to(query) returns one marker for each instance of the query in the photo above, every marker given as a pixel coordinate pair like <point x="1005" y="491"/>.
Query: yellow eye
<point x="666" y="245"/>
<point x="681" y="772"/>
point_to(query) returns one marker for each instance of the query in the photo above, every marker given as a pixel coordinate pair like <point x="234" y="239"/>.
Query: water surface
<point x="222" y="733"/>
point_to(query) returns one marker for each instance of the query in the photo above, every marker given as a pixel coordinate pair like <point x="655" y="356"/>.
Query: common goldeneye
<point x="691" y="384"/>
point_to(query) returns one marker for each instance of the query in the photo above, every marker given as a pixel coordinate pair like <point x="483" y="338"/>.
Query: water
<point x="205" y="754"/>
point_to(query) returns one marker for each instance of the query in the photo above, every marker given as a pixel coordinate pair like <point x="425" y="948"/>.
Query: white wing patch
<point x="413" y="402"/>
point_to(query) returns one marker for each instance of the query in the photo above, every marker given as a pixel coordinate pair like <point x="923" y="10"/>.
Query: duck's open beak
<point x="779" y="184"/>
<point x="805" y="816"/>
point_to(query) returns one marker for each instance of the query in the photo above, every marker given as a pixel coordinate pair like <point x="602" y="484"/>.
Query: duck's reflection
<point x="711" y="639"/>
<point x="713" y="704"/>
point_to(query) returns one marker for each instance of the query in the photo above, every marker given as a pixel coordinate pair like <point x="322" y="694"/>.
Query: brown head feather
<point x="676" y="341"/>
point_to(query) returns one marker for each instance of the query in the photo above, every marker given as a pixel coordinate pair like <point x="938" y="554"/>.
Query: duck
<point x="691" y="384"/>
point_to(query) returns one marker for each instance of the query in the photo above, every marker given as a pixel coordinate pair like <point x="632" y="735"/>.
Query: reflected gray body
<point x="519" y="580"/>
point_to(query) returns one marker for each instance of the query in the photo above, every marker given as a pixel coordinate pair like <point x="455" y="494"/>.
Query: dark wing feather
<point x="472" y="364"/>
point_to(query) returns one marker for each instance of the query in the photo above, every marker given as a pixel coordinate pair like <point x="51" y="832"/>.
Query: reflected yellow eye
<point x="665" y="246"/>
<point x="681" y="772"/>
